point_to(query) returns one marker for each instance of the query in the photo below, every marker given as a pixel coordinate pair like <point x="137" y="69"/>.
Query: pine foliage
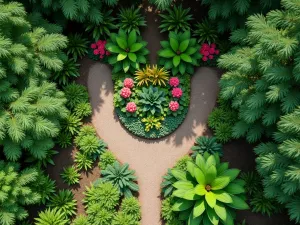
<point x="30" y="107"/>
<point x="262" y="79"/>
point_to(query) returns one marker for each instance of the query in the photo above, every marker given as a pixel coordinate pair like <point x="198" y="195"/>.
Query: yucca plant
<point x="176" y="19"/>
<point x="51" y="216"/>
<point x="77" y="46"/>
<point x="206" y="144"/>
<point x="131" y="19"/>
<point x="128" y="51"/>
<point x="121" y="177"/>
<point x="70" y="175"/>
<point x="205" y="32"/>
<point x="180" y="53"/>
<point x="102" y="30"/>
<point x="64" y="201"/>
<point x="208" y="192"/>
<point x="70" y="71"/>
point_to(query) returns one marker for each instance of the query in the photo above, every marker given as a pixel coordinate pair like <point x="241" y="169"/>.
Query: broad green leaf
<point x="178" y="174"/>
<point x="200" y="162"/>
<point x="190" y="168"/>
<point x="183" y="45"/>
<point x="191" y="195"/>
<point x="122" y="56"/>
<point x="199" y="175"/>
<point x="126" y="65"/>
<point x="176" y="60"/>
<point x="167" y="53"/>
<point x="186" y="58"/>
<point x="221" y="211"/>
<point x="182" y="67"/>
<point x="122" y="43"/>
<point x="200" y="189"/>
<point x="113" y="48"/>
<point x="131" y="38"/>
<point x="229" y="218"/>
<point x="210" y="174"/>
<point x="179" y="193"/>
<point x="212" y="216"/>
<point x="194" y="220"/>
<point x="222" y="167"/>
<point x="238" y="203"/>
<point x="234" y="189"/>
<point x="199" y="208"/>
<point x="231" y="173"/>
<point x="135" y="47"/>
<point x="132" y="57"/>
<point x="211" y="199"/>
<point x="184" y="215"/>
<point x="165" y="44"/>
<point x="174" y="44"/>
<point x="220" y="183"/>
<point x="184" y="185"/>
<point x="191" y="51"/>
<point x="210" y="161"/>
<point x="181" y="205"/>
<point x="223" y="196"/>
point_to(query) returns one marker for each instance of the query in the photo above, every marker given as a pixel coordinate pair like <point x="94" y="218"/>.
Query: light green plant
<point x="83" y="161"/>
<point x="131" y="206"/>
<point x="51" y="216"/>
<point x="152" y="122"/>
<point x="124" y="219"/>
<point x="107" y="158"/>
<point x="167" y="185"/>
<point x="71" y="175"/>
<point x="81" y="220"/>
<point x="181" y="164"/>
<point x="83" y="109"/>
<point x="71" y="124"/>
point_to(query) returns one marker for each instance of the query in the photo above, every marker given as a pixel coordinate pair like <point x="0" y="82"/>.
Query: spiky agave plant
<point x="130" y="19"/>
<point x="176" y="19"/>
<point x="208" y="191"/>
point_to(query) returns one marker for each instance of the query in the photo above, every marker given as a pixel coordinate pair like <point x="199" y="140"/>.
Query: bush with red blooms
<point x="174" y="106"/>
<point x="131" y="107"/>
<point x="125" y="92"/>
<point x="98" y="50"/>
<point x="128" y="82"/>
<point x="174" y="81"/>
<point x="176" y="92"/>
<point x="209" y="52"/>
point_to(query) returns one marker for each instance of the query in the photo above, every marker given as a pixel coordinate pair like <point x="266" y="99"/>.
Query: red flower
<point x="107" y="53"/>
<point x="210" y="56"/>
<point x="99" y="42"/>
<point x="174" y="81"/>
<point x="96" y="52"/>
<point x="204" y="58"/>
<point x="176" y="92"/>
<point x="173" y="106"/>
<point x="206" y="53"/>
<point x="93" y="46"/>
<point x="205" y="46"/>
<point x="101" y="51"/>
<point x="217" y="52"/>
<point x="101" y="56"/>
<point x="131" y="107"/>
<point x="128" y="82"/>
<point x="211" y="51"/>
<point x="213" y="45"/>
<point x="125" y="92"/>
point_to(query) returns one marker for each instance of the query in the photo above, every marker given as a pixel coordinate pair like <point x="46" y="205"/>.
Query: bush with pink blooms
<point x="174" y="81"/>
<point x="125" y="92"/>
<point x="131" y="107"/>
<point x="129" y="83"/>
<point x="176" y="92"/>
<point x="209" y="53"/>
<point x="98" y="51"/>
<point x="174" y="106"/>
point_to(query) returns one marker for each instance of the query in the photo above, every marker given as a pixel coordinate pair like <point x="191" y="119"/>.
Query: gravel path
<point x="149" y="158"/>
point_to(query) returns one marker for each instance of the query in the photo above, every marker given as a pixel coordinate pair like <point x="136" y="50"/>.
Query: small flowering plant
<point x="209" y="53"/>
<point x="98" y="51"/>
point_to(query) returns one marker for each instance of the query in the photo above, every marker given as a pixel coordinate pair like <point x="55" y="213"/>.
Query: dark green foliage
<point x="252" y="182"/>
<point x="176" y="19"/>
<point x="205" y="32"/>
<point x="167" y="185"/>
<point x="64" y="201"/>
<point x="44" y="185"/>
<point x="71" y="175"/>
<point x="81" y="220"/>
<point x="124" y="219"/>
<point x="36" y="20"/>
<point x="71" y="124"/>
<point x="77" y="46"/>
<point x="69" y="71"/>
<point x="103" y="29"/>
<point x="51" y="216"/>
<point x="64" y="139"/>
<point x="128" y="51"/>
<point x="75" y="94"/>
<point x="131" y="206"/>
<point x="180" y="53"/>
<point x="121" y="177"/>
<point x="45" y="161"/>
<point x="89" y="144"/>
<point x="16" y="192"/>
<point x="131" y="19"/>
<point x="206" y="144"/>
<point x="161" y="4"/>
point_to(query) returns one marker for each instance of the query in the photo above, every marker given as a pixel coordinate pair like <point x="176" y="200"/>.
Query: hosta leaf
<point x="179" y="193"/>
<point x="183" y="45"/>
<point x="135" y="47"/>
<point x="211" y="199"/>
<point x="190" y="51"/>
<point x="220" y="183"/>
<point x="132" y="38"/>
<point x="210" y="174"/>
<point x="222" y="196"/>
<point x="221" y="211"/>
<point x="199" y="175"/>
<point x="200" y="189"/>
<point x="122" y="56"/>
<point x="182" y="204"/>
<point x="122" y="43"/>
<point x="132" y="57"/>
<point x="199" y="208"/>
<point x="176" y="60"/>
<point x="190" y="168"/>
<point x="184" y="185"/>
<point x="166" y="53"/>
<point x="174" y="44"/>
<point x="186" y="58"/>
<point x="238" y="203"/>
<point x="191" y="195"/>
<point x="200" y="162"/>
<point x="113" y="48"/>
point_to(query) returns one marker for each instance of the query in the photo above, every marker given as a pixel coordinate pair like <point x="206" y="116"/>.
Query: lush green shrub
<point x="71" y="175"/>
<point x="64" y="139"/>
<point x="77" y="46"/>
<point x="107" y="158"/>
<point x="48" y="159"/>
<point x="64" y="201"/>
<point x="83" y="161"/>
<point x="16" y="192"/>
<point x="124" y="219"/>
<point x="131" y="19"/>
<point x="100" y="216"/>
<point x="131" y="206"/>
<point x="88" y="144"/>
<point x="71" y="124"/>
<point x="180" y="53"/>
<point x="51" y="216"/>
<point x="128" y="51"/>
<point x="75" y="94"/>
<point x="44" y="185"/>
<point x="83" y="109"/>
<point x="121" y="177"/>
<point x="176" y="19"/>
<point x="69" y="71"/>
<point x="81" y="220"/>
<point x="181" y="164"/>
<point x="85" y="130"/>
<point x="167" y="212"/>
<point x="206" y="144"/>
<point x="206" y="32"/>
<point x="208" y="191"/>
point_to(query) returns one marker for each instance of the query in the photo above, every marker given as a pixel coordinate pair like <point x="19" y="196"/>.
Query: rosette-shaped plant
<point x="152" y="99"/>
<point x="128" y="51"/>
<point x="176" y="92"/>
<point x="180" y="53"/>
<point x="125" y="92"/>
<point x="131" y="107"/>
<point x="206" y="144"/>
<point x="174" y="106"/>
<point x="128" y="82"/>
<point x="174" y="81"/>
<point x="208" y="191"/>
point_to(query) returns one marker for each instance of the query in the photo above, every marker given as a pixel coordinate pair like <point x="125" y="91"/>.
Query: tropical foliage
<point x="77" y="46"/>
<point x="51" y="216"/>
<point x="70" y="175"/>
<point x="205" y="32"/>
<point x="131" y="19"/>
<point x="153" y="75"/>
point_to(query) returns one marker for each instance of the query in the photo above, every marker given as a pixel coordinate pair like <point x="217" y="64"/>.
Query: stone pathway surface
<point x="150" y="158"/>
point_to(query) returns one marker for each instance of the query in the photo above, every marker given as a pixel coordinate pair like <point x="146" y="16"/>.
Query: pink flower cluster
<point x="208" y="51"/>
<point x="131" y="107"/>
<point x="176" y="92"/>
<point x="128" y="82"/>
<point x="125" y="92"/>
<point x="173" y="106"/>
<point x="99" y="49"/>
<point x="174" y="81"/>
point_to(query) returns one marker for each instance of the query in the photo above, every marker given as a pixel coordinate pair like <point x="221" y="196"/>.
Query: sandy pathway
<point x="150" y="159"/>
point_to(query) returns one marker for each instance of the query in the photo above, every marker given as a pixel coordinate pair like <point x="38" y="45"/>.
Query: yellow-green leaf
<point x="211" y="199"/>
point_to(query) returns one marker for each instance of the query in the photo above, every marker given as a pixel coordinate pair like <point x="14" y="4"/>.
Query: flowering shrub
<point x="174" y="106"/>
<point x="174" y="81"/>
<point x="128" y="82"/>
<point x="99" y="49"/>
<point x="208" y="52"/>
<point x="125" y="92"/>
<point x="176" y="92"/>
<point x="131" y="107"/>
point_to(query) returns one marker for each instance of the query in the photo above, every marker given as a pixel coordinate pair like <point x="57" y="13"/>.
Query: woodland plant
<point x="180" y="54"/>
<point x="71" y="124"/>
<point x="44" y="185"/>
<point x="124" y="219"/>
<point x="77" y="46"/>
<point x="128" y="51"/>
<point x="83" y="161"/>
<point x="206" y="144"/>
<point x="81" y="220"/>
<point x="64" y="139"/>
<point x="176" y="19"/>
<point x="83" y="109"/>
<point x="131" y="19"/>
<point x="71" y="175"/>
